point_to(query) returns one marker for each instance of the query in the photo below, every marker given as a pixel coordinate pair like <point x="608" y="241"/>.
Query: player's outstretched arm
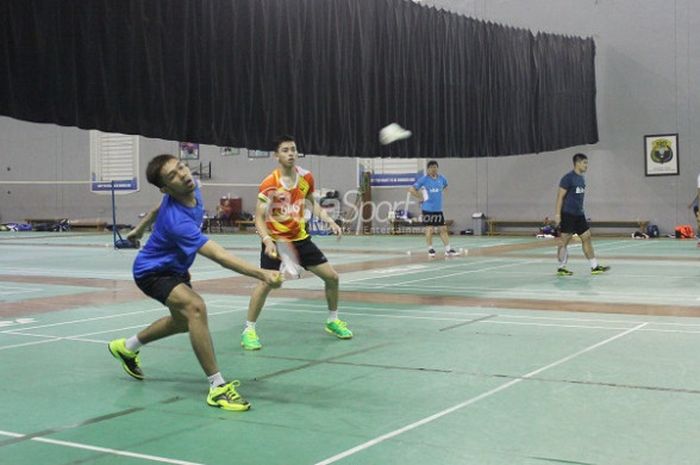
<point x="218" y="254"/>
<point x="146" y="221"/>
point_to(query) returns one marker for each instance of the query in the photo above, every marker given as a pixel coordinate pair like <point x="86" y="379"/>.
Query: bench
<point x="88" y="225"/>
<point x="83" y="224"/>
<point x="244" y="224"/>
<point x="35" y="221"/>
<point x="637" y="225"/>
<point x="493" y="225"/>
<point x="412" y="227"/>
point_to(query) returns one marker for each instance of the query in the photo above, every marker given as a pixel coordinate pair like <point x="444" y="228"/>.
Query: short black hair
<point x="155" y="166"/>
<point x="432" y="162"/>
<point x="280" y="139"/>
<point x="579" y="156"/>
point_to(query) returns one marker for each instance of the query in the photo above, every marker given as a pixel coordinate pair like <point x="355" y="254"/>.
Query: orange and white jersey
<point x="286" y="204"/>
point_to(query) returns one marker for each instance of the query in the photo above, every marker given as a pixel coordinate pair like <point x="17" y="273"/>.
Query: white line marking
<point x="440" y="269"/>
<point x="33" y="343"/>
<point x="460" y="290"/>
<point x="106" y="450"/>
<point x="442" y="276"/>
<point x="471" y="401"/>
<point x="83" y="320"/>
<point x="116" y="315"/>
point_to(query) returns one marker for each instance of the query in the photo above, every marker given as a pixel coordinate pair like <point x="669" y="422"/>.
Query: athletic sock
<point x="133" y="344"/>
<point x="216" y="380"/>
<point x="249" y="325"/>
<point x="594" y="262"/>
<point x="332" y="315"/>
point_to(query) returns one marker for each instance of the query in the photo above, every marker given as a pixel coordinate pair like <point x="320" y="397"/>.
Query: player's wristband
<point x="266" y="237"/>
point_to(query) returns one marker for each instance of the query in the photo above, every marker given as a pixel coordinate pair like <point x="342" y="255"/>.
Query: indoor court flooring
<point x="487" y="358"/>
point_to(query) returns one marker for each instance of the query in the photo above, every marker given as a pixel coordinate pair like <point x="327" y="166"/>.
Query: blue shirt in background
<point x="575" y="186"/>
<point x="175" y="240"/>
<point x="434" y="187"/>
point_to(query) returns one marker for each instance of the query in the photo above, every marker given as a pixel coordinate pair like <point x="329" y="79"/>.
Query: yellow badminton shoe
<point x="130" y="360"/>
<point x="226" y="397"/>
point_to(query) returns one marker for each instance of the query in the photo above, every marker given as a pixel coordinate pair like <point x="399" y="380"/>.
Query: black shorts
<point x="433" y="218"/>
<point x="307" y="253"/>
<point x="573" y="224"/>
<point x="159" y="285"/>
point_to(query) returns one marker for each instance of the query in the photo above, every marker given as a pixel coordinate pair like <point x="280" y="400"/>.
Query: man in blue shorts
<point x="571" y="218"/>
<point x="161" y="271"/>
<point x="428" y="190"/>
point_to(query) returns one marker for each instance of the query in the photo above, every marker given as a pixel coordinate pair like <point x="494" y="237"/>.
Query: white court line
<point x="79" y="337"/>
<point x="33" y="343"/>
<point x="107" y="317"/>
<point x="380" y="286"/>
<point x="473" y="400"/>
<point x="532" y="292"/>
<point x="473" y="314"/>
<point x="373" y="313"/>
<point x="83" y="320"/>
<point x="105" y="450"/>
<point x="374" y="276"/>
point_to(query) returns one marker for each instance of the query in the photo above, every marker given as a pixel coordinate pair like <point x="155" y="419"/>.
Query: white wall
<point x="648" y="77"/>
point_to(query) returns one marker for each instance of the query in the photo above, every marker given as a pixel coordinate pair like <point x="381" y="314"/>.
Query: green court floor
<point x="424" y="380"/>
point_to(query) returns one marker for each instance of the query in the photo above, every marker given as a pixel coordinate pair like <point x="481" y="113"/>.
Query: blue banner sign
<point x="394" y="179"/>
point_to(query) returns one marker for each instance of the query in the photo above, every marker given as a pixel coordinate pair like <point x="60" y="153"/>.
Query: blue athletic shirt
<point x="175" y="240"/>
<point x="434" y="188"/>
<point x="575" y="186"/>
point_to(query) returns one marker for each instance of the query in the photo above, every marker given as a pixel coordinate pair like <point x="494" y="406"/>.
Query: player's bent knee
<point x="195" y="310"/>
<point x="332" y="278"/>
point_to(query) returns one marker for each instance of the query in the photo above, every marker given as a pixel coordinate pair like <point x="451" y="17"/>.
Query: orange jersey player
<point x="283" y="198"/>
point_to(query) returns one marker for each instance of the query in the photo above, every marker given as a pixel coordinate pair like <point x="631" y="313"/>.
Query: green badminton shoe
<point x="339" y="329"/>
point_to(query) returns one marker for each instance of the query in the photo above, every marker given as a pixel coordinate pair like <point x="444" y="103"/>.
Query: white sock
<point x="594" y="262"/>
<point x="249" y="324"/>
<point x="563" y="256"/>
<point x="133" y="344"/>
<point x="332" y="315"/>
<point x="430" y="247"/>
<point x="216" y="380"/>
<point x="448" y="248"/>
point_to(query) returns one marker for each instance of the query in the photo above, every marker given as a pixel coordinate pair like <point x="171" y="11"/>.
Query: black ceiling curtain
<point x="331" y="72"/>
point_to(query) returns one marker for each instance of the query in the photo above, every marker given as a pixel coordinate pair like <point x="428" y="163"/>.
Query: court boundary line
<point x="488" y="319"/>
<point x="104" y="450"/>
<point x="473" y="400"/>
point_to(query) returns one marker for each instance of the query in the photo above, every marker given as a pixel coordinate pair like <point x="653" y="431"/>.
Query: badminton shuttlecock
<point x="392" y="133"/>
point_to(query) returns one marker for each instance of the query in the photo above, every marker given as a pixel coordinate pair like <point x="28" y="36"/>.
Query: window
<point x="114" y="157"/>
